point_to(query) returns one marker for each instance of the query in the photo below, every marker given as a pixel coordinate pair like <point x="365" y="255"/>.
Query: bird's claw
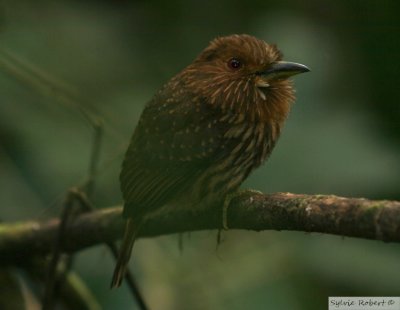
<point x="228" y="200"/>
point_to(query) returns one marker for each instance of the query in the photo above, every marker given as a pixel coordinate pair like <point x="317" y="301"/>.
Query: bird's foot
<point x="249" y="192"/>
<point x="228" y="200"/>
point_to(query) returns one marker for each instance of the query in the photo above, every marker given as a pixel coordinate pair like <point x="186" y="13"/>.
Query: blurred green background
<point x="342" y="137"/>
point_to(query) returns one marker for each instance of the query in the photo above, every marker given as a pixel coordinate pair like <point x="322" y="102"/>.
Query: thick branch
<point x="353" y="217"/>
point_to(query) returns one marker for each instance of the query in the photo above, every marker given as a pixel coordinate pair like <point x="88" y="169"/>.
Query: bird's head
<point x="246" y="75"/>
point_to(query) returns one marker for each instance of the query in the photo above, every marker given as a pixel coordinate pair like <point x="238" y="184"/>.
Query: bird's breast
<point x="244" y="147"/>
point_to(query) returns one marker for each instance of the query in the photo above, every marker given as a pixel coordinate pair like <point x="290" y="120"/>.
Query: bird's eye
<point x="234" y="64"/>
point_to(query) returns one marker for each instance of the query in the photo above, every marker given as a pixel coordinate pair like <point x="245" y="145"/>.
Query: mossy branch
<point x="352" y="217"/>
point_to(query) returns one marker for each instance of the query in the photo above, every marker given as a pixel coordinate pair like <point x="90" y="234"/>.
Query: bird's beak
<point x="282" y="70"/>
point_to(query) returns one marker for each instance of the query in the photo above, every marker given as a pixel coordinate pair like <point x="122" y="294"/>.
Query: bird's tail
<point x="131" y="230"/>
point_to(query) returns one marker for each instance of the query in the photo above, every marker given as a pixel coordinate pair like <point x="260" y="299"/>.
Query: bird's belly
<point x="244" y="153"/>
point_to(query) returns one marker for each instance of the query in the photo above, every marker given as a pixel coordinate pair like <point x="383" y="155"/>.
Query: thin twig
<point x="85" y="203"/>
<point x="56" y="279"/>
<point x="46" y="84"/>
<point x="52" y="278"/>
<point x="94" y="158"/>
<point x="73" y="293"/>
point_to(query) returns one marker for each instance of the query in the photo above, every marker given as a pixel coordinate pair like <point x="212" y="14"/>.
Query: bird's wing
<point x="171" y="145"/>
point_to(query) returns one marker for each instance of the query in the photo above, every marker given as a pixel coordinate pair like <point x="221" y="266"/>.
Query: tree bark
<point x="352" y="217"/>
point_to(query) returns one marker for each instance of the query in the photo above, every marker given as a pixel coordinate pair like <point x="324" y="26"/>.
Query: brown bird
<point x="204" y="132"/>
